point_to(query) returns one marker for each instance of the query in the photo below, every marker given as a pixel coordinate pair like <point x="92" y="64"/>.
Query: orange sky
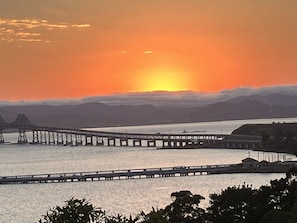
<point x="75" y="48"/>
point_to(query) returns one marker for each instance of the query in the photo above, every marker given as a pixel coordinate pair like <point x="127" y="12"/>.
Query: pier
<point x="146" y="173"/>
<point x="42" y="135"/>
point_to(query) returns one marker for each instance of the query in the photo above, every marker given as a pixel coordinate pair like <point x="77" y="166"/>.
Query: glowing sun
<point x="162" y="80"/>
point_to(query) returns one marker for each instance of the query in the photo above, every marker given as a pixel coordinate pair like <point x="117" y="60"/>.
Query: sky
<point x="75" y="48"/>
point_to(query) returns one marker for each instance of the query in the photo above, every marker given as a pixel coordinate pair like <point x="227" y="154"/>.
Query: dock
<point x="145" y="173"/>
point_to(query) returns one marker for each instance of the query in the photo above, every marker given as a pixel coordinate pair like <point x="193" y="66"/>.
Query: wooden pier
<point x="146" y="173"/>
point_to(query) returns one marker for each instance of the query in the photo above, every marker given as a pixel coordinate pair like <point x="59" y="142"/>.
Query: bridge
<point x="146" y="173"/>
<point x="41" y="135"/>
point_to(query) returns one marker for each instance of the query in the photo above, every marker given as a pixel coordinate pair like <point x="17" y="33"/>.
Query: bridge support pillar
<point x="123" y="142"/>
<point x="22" y="139"/>
<point x="137" y="142"/>
<point x="35" y="139"/>
<point x="111" y="141"/>
<point x="60" y="140"/>
<point x="181" y="143"/>
<point x="78" y="140"/>
<point x="151" y="143"/>
<point x="166" y="143"/>
<point x="51" y="138"/>
<point x="99" y="141"/>
<point x="68" y="139"/>
<point x="1" y="137"/>
<point x="89" y="140"/>
<point x="42" y="137"/>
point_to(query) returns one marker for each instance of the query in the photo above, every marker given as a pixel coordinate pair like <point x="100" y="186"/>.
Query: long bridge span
<point x="277" y="167"/>
<point x="41" y="135"/>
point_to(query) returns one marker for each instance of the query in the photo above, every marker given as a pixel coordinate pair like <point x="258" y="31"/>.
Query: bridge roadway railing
<point x="157" y="136"/>
<point x="110" y="138"/>
<point x="112" y="174"/>
<point x="145" y="136"/>
<point x="143" y="173"/>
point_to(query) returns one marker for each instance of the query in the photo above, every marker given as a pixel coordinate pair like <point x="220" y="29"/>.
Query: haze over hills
<point x="158" y="107"/>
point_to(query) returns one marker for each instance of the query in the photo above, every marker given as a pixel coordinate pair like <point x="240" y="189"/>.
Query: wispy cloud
<point x="125" y="52"/>
<point x="30" y="30"/>
<point x="27" y="34"/>
<point x="148" y="52"/>
<point x="81" y="25"/>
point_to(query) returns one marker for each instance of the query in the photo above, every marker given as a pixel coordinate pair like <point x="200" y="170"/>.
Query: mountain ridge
<point x="97" y="114"/>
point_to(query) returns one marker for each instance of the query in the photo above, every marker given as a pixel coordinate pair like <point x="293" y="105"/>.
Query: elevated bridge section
<point x="277" y="167"/>
<point x="41" y="135"/>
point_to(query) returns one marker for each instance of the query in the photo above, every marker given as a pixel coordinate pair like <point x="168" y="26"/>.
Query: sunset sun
<point x="162" y="80"/>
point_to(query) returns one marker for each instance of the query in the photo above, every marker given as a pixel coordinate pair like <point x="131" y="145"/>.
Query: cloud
<point x="148" y="52"/>
<point x="125" y="52"/>
<point x="187" y="98"/>
<point x="30" y="30"/>
<point x="30" y="40"/>
<point x="282" y="89"/>
<point x="27" y="34"/>
<point x="81" y="25"/>
<point x="174" y="99"/>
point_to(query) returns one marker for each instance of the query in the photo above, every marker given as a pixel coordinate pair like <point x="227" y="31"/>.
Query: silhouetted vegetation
<point x="274" y="203"/>
<point x="75" y="210"/>
<point x="277" y="137"/>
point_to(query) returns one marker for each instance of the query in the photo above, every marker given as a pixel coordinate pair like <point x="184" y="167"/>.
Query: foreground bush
<point x="74" y="211"/>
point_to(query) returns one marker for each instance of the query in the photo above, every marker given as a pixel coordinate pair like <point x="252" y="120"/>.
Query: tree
<point x="293" y="213"/>
<point x="74" y="211"/>
<point x="119" y="219"/>
<point x="275" y="216"/>
<point x="234" y="204"/>
<point x="185" y="208"/>
<point x="155" y="216"/>
<point x="277" y="201"/>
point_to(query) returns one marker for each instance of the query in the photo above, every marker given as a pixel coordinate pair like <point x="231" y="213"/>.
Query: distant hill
<point x="183" y="107"/>
<point x="270" y="99"/>
<point x="99" y="115"/>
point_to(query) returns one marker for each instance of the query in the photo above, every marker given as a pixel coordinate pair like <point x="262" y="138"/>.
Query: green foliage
<point x="81" y="211"/>
<point x="275" y="216"/>
<point x="119" y="219"/>
<point x="185" y="208"/>
<point x="75" y="211"/>
<point x="293" y="213"/>
<point x="247" y="205"/>
<point x="155" y="216"/>
<point x="234" y="203"/>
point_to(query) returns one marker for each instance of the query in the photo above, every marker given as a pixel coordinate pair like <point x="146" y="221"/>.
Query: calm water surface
<point x="26" y="203"/>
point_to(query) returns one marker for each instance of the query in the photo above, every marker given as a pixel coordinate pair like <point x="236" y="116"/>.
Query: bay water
<point x="26" y="203"/>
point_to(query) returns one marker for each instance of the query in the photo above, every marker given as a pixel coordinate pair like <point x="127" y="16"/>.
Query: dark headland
<point x="276" y="137"/>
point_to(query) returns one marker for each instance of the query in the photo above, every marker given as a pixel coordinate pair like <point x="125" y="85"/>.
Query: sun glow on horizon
<point x="162" y="80"/>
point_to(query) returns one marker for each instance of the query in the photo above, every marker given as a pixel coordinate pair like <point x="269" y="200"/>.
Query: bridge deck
<point x="42" y="135"/>
<point x="138" y="173"/>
